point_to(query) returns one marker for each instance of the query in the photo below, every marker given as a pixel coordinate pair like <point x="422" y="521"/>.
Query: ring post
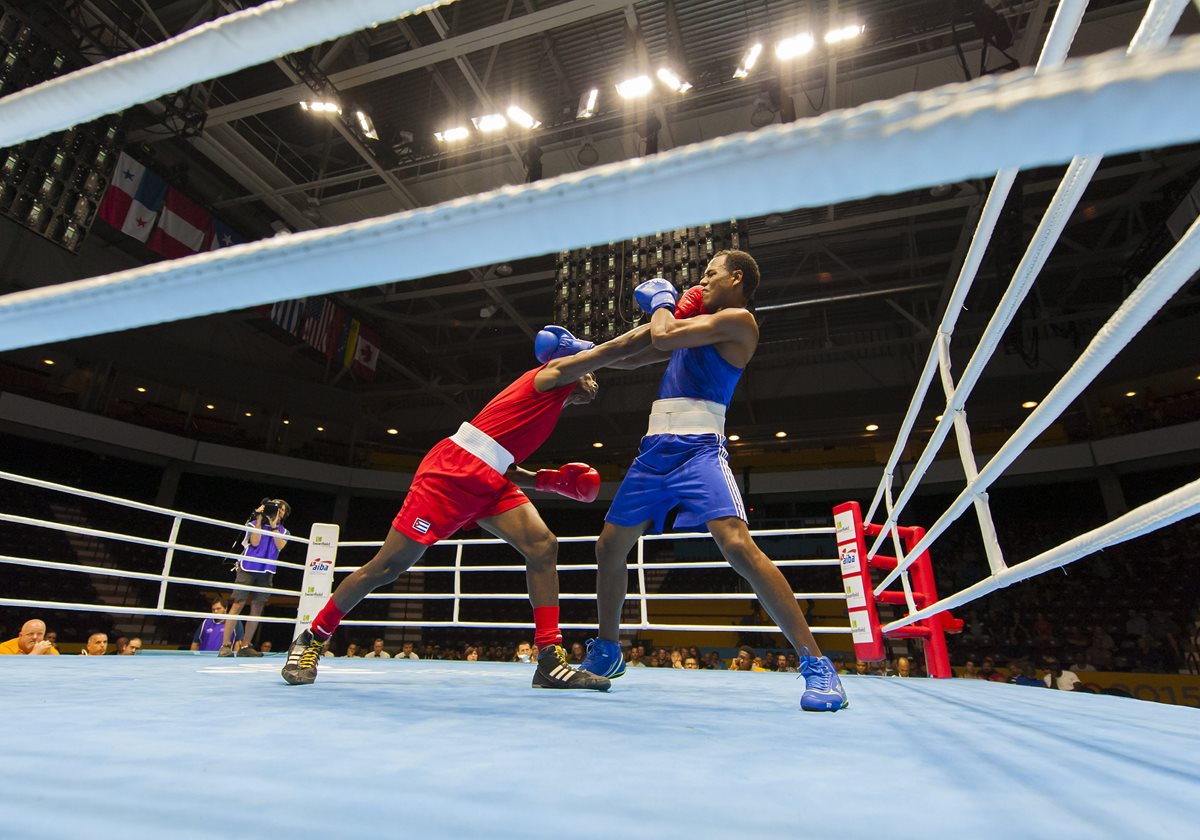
<point x="317" y="584"/>
<point x="856" y="577"/>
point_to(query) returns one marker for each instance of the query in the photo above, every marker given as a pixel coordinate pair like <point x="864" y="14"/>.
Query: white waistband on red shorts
<point x="686" y="416"/>
<point x="483" y="447"/>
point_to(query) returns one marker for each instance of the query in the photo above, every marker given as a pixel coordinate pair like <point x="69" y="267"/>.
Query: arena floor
<point x="192" y="746"/>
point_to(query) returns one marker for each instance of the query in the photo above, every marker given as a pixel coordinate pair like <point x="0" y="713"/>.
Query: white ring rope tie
<point x="216" y="48"/>
<point x="949" y="134"/>
<point x="164" y="578"/>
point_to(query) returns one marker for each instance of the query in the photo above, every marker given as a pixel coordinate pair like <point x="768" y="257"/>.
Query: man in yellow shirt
<point x="31" y="642"/>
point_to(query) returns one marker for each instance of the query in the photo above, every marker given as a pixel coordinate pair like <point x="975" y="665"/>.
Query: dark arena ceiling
<point x="865" y="281"/>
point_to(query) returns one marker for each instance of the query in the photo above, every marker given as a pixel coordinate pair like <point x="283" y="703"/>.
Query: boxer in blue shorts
<point x="682" y="463"/>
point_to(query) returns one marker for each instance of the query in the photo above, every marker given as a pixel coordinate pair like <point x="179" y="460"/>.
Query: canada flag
<point x="366" y="355"/>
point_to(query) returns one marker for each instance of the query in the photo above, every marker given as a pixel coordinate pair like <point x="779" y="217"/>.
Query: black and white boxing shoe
<point x="302" y="659"/>
<point x="554" y="672"/>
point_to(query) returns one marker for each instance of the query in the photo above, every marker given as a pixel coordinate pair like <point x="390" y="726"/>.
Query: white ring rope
<point x="949" y="134"/>
<point x="459" y="568"/>
<point x="216" y="48"/>
<point x="1159" y="20"/>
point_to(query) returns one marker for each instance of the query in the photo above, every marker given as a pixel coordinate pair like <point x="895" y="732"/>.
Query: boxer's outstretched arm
<point x="649" y="356"/>
<point x="559" y="372"/>
<point x="728" y="325"/>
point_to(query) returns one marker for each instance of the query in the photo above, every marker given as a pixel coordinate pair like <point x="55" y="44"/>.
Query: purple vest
<point x="254" y="557"/>
<point x="212" y="633"/>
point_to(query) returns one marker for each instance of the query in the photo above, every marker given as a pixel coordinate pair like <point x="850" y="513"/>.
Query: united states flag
<point x="289" y="314"/>
<point x="320" y="317"/>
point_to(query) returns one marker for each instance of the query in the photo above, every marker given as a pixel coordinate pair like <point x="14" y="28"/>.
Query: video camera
<point x="270" y="507"/>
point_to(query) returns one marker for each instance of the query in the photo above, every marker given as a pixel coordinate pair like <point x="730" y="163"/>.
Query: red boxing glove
<point x="575" y="481"/>
<point x="690" y="303"/>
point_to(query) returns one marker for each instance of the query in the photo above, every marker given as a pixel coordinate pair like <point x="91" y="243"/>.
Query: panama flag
<point x="134" y="197"/>
<point x="182" y="228"/>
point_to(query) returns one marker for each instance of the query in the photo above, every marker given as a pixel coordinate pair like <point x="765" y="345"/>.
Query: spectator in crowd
<point x="407" y="652"/>
<point x="1058" y="677"/>
<point x="265" y="647"/>
<point x="677" y="659"/>
<point x="256" y="568"/>
<point x="351" y="651"/>
<point x="524" y="652"/>
<point x="31" y="641"/>
<point x="862" y="668"/>
<point x="712" y="661"/>
<point x="97" y="645"/>
<point x="119" y="646"/>
<point x="52" y="638"/>
<point x="691" y="663"/>
<point x="744" y="661"/>
<point x="472" y="654"/>
<point x="988" y="671"/>
<point x="653" y="662"/>
<point x="132" y="647"/>
<point x="210" y="635"/>
<point x="377" y="651"/>
<point x="970" y="671"/>
<point x="635" y="657"/>
<point x="1023" y="673"/>
<point x="903" y="667"/>
<point x="577" y="653"/>
<point x="781" y="664"/>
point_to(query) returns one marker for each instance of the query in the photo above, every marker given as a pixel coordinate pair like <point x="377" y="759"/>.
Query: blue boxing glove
<point x="655" y="294"/>
<point x="558" y="343"/>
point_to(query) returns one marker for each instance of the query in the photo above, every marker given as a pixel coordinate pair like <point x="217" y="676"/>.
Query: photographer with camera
<point x="256" y="569"/>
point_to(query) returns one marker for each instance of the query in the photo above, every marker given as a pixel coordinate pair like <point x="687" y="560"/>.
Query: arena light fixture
<point x="453" y="135"/>
<point x="938" y="419"/>
<point x="522" y="117"/>
<point x="321" y="106"/>
<point x="489" y="123"/>
<point x="597" y="445"/>
<point x="141" y="389"/>
<point x="781" y="434"/>
<point x="1029" y="404"/>
<point x="735" y="438"/>
<point x="367" y="125"/>
<point x="844" y="33"/>
<point x="47" y="361"/>
<point x="286" y="421"/>
<point x="635" y="88"/>
<point x="748" y="61"/>
<point x="872" y="427"/>
<point x="320" y="428"/>
<point x="249" y="413"/>
<point x="393" y="431"/>
<point x="209" y="406"/>
<point x="672" y="80"/>
<point x="1131" y="393"/>
<point x="794" y="47"/>
<point x="587" y="104"/>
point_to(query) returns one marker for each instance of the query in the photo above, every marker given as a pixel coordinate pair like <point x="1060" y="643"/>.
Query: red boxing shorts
<point x="453" y="488"/>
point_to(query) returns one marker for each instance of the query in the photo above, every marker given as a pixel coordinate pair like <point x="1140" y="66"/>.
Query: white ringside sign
<point x="317" y="585"/>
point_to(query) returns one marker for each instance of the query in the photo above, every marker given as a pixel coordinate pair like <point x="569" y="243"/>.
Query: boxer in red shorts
<point x="472" y="476"/>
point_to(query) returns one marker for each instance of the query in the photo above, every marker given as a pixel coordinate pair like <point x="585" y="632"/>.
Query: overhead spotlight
<point x="521" y="117"/>
<point x="1131" y="393"/>
<point x="141" y="389"/>
<point x="748" y="61"/>
<point x="781" y="434"/>
<point x="490" y="122"/>
<point x="210" y="406"/>
<point x="249" y="413"/>
<point x="321" y="106"/>
<point x="504" y="270"/>
<point x="1029" y="404"/>
<point x="488" y="311"/>
<point x="844" y="33"/>
<point x="587" y="104"/>
<point x="587" y="154"/>
<point x="635" y="88"/>
<point x="597" y="445"/>
<point x="47" y="361"/>
<point x="320" y="428"/>
<point x="671" y="79"/>
<point x="367" y="125"/>
<point x="793" y="47"/>
<point x="393" y="431"/>
<point x="735" y="437"/>
<point x="872" y="427"/>
<point x="453" y="135"/>
<point x="286" y="421"/>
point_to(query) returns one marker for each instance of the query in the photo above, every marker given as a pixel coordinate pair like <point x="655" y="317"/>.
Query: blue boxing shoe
<point x="603" y="659"/>
<point x="823" y="690"/>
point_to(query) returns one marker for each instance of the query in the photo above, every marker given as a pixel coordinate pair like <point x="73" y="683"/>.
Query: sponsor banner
<point x="317" y="585"/>
<point x="843" y="523"/>
<point x="860" y="627"/>
<point x="855" y="597"/>
<point x="848" y="555"/>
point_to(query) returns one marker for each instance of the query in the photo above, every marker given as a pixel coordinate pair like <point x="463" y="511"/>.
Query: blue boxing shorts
<point x="690" y="472"/>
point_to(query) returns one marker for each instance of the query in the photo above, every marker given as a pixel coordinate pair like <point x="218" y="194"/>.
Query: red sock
<point x="545" y="622"/>
<point x="327" y="620"/>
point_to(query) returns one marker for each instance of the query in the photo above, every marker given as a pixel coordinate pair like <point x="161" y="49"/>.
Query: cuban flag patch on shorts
<point x="421" y="526"/>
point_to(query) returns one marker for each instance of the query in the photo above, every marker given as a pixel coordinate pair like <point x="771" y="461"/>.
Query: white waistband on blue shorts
<point x="686" y="416"/>
<point x="483" y="447"/>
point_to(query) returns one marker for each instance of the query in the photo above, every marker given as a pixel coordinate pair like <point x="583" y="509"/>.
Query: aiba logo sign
<point x="319" y="565"/>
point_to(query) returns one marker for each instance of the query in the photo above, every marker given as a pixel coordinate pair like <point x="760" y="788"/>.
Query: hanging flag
<point x="366" y="357"/>
<point x="289" y="314"/>
<point x="181" y="228"/>
<point x="319" y="317"/>
<point x="220" y="235"/>
<point x="349" y="342"/>
<point x="134" y="197"/>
